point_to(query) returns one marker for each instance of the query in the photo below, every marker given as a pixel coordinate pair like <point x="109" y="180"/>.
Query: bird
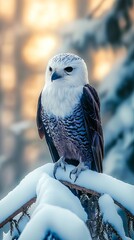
<point x="68" y="115"/>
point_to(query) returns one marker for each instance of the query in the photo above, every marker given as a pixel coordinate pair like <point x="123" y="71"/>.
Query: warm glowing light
<point x="8" y="47"/>
<point x="31" y="89"/>
<point x="7" y="9"/>
<point x="103" y="6"/>
<point x="8" y="77"/>
<point x="101" y="70"/>
<point x="39" y="48"/>
<point x="49" y="14"/>
<point x="102" y="62"/>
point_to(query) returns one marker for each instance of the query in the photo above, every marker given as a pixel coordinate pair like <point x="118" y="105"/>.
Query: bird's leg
<point x="60" y="163"/>
<point x="77" y="170"/>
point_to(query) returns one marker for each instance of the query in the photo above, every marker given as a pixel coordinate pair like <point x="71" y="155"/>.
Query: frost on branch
<point x="64" y="210"/>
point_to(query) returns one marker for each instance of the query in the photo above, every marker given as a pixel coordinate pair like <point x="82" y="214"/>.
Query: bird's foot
<point x="60" y="163"/>
<point x="77" y="170"/>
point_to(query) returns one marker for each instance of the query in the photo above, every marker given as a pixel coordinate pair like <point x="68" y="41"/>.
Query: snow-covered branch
<point x="47" y="192"/>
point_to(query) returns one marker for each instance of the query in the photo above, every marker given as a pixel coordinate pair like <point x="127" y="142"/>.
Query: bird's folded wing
<point x="91" y="110"/>
<point x="42" y="132"/>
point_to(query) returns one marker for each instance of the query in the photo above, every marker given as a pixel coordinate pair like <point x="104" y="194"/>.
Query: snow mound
<point x="56" y="221"/>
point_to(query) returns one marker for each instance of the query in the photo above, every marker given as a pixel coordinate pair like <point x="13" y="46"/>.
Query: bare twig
<point x="21" y="209"/>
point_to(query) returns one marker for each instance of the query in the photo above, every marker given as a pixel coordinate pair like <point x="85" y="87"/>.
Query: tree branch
<point x="70" y="185"/>
<point x="21" y="209"/>
<point x="89" y="191"/>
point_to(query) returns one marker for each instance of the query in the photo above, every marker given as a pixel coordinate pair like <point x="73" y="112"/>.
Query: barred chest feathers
<point x="60" y="101"/>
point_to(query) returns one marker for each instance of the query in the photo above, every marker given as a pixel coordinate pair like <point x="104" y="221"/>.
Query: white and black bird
<point x="68" y="115"/>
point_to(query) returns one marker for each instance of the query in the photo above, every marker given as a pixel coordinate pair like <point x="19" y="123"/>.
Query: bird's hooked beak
<point x="55" y="76"/>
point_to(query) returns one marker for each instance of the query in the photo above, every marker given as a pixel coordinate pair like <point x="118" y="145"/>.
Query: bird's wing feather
<point x="42" y="132"/>
<point x="91" y="110"/>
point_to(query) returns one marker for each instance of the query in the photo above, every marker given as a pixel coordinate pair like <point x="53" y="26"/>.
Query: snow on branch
<point x="101" y="183"/>
<point x="40" y="187"/>
<point x="110" y="214"/>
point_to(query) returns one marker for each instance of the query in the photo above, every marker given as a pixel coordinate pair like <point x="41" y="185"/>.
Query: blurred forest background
<point x="102" y="33"/>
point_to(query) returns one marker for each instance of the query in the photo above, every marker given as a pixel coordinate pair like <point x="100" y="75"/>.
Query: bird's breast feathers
<point x="60" y="101"/>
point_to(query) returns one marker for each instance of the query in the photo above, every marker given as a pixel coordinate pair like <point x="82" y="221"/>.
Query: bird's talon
<point x="54" y="173"/>
<point x="72" y="172"/>
<point x="77" y="170"/>
<point x="60" y="163"/>
<point x="70" y="175"/>
<point x="75" y="179"/>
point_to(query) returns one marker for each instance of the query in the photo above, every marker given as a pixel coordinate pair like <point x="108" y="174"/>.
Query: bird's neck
<point x="60" y="101"/>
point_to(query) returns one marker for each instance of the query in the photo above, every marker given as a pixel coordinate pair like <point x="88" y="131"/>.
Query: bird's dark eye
<point x="50" y="69"/>
<point x="68" y="69"/>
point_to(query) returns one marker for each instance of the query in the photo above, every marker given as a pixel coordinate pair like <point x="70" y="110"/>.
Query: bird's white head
<point x="66" y="74"/>
<point x="66" y="69"/>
